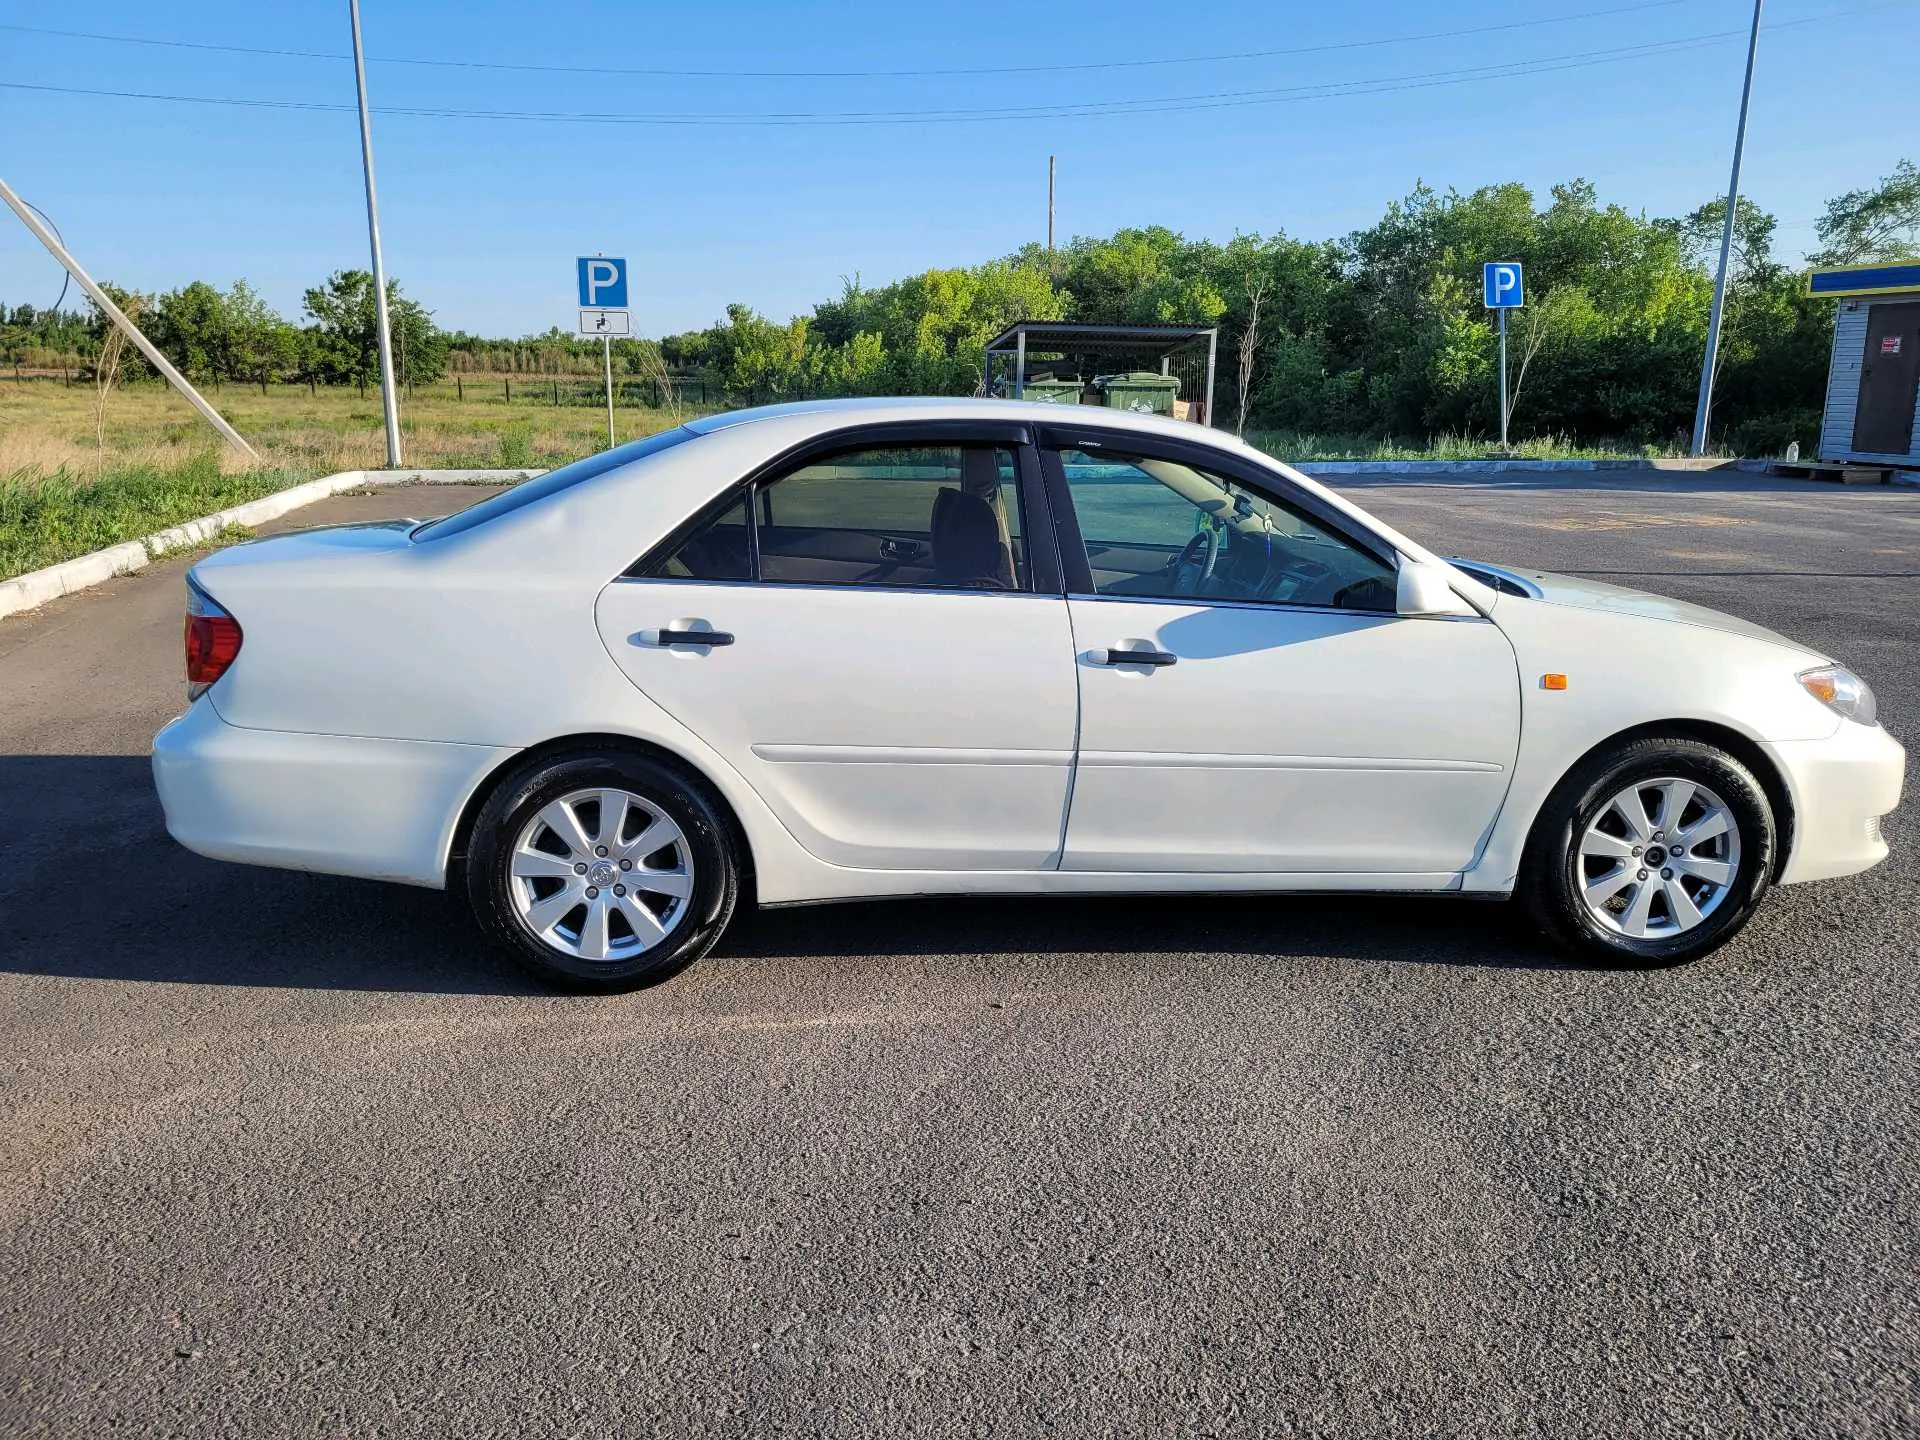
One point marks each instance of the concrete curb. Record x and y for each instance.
(1490, 467)
(37, 587)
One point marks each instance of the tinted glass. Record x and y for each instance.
(938, 516)
(1160, 529)
(718, 550)
(551, 483)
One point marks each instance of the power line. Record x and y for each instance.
(1214, 100)
(656, 72)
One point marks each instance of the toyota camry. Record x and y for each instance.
(840, 650)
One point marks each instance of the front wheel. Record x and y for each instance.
(602, 872)
(1653, 852)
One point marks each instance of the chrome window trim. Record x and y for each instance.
(852, 587)
(1224, 603)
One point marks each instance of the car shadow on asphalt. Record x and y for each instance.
(92, 887)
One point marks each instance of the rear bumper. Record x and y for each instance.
(1841, 787)
(379, 809)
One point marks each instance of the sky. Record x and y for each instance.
(1232, 117)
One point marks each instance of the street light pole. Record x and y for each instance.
(1704, 408)
(390, 397)
(1050, 160)
(57, 248)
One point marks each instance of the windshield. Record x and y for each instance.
(551, 483)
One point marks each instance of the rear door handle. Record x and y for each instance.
(694, 637)
(1154, 658)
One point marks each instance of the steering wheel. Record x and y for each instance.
(1202, 551)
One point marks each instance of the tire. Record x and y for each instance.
(1583, 844)
(673, 902)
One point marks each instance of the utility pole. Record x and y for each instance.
(1704, 408)
(113, 312)
(1050, 160)
(390, 398)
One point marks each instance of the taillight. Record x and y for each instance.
(213, 639)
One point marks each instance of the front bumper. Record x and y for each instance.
(379, 809)
(1841, 787)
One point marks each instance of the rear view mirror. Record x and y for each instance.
(1427, 589)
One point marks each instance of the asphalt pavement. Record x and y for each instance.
(288, 1154)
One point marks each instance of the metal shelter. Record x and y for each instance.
(1872, 410)
(1080, 350)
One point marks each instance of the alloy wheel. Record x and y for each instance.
(1658, 859)
(600, 875)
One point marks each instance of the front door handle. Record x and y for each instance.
(694, 637)
(1154, 658)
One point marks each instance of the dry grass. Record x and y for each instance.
(67, 489)
(46, 427)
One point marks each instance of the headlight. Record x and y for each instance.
(1841, 691)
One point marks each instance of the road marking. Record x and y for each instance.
(1616, 520)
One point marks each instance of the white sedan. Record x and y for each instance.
(870, 648)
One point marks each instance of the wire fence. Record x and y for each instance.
(516, 390)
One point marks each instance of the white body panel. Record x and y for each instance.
(382, 809)
(1635, 660)
(918, 730)
(908, 749)
(1288, 739)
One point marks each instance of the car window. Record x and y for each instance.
(1161, 529)
(718, 550)
(938, 516)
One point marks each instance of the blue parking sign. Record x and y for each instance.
(1501, 286)
(603, 282)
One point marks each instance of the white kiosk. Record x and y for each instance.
(1872, 414)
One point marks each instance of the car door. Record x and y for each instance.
(860, 633)
(1250, 700)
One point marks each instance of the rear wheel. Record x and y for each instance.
(602, 872)
(1653, 852)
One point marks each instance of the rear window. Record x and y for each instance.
(552, 483)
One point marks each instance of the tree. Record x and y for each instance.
(1881, 223)
(112, 352)
(190, 325)
(1700, 234)
(347, 344)
(1555, 314)
(1256, 292)
(259, 344)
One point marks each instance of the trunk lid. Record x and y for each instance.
(323, 541)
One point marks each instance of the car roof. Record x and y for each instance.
(838, 414)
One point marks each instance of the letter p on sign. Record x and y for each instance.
(1501, 286)
(603, 282)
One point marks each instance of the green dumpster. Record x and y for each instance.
(1053, 392)
(1141, 391)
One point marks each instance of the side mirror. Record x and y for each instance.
(1425, 589)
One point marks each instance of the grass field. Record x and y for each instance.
(74, 479)
(68, 486)
(46, 427)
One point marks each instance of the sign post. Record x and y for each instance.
(603, 312)
(1502, 289)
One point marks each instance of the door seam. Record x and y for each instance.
(1079, 712)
